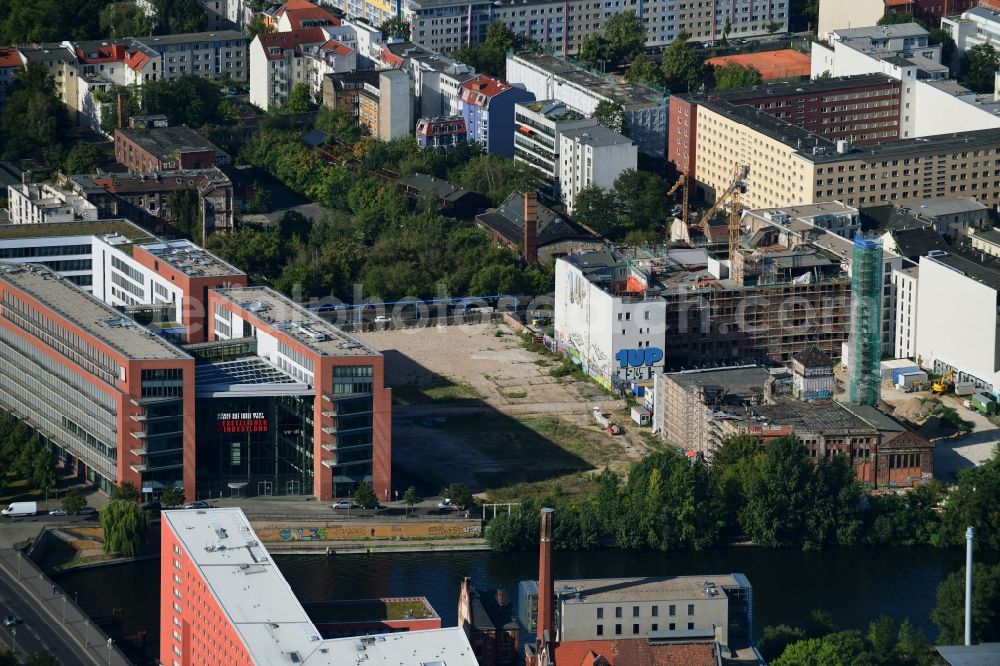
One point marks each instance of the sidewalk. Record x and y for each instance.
(59, 613)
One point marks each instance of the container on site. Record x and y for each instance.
(899, 372)
(904, 379)
(965, 388)
(984, 403)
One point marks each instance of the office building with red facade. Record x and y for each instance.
(115, 401)
(223, 601)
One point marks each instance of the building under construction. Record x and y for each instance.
(865, 344)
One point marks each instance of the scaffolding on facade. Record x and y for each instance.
(865, 341)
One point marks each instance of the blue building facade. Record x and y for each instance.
(488, 110)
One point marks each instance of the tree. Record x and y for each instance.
(974, 501)
(43, 470)
(726, 29)
(364, 495)
(411, 498)
(497, 178)
(82, 158)
(34, 119)
(396, 26)
(778, 496)
(175, 17)
(511, 532)
(460, 494)
(257, 26)
(126, 492)
(125, 527)
(172, 496)
(300, 100)
(597, 209)
(949, 613)
(882, 636)
(643, 70)
(845, 648)
(610, 115)
(979, 66)
(735, 75)
(683, 65)
(24, 21)
(911, 645)
(293, 223)
(773, 27)
(626, 35)
(73, 502)
(42, 659)
(490, 55)
(596, 51)
(185, 212)
(123, 19)
(774, 640)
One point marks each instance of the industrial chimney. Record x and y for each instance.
(531, 226)
(546, 587)
(120, 110)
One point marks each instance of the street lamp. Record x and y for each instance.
(64, 607)
(13, 633)
(19, 556)
(111, 644)
(86, 635)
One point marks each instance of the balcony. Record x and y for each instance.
(138, 452)
(138, 417)
(330, 463)
(330, 430)
(329, 447)
(329, 415)
(140, 434)
(138, 469)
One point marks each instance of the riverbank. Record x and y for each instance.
(372, 547)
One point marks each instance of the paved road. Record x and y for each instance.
(973, 448)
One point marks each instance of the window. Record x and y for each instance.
(672, 610)
(635, 628)
(690, 626)
(600, 630)
(655, 611)
(654, 627)
(618, 611)
(635, 611)
(600, 613)
(690, 609)
(673, 626)
(618, 630)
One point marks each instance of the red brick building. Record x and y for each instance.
(148, 149)
(932, 10)
(489, 622)
(861, 109)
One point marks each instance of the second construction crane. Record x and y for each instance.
(731, 196)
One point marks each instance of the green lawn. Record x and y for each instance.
(366, 610)
(17, 490)
(446, 390)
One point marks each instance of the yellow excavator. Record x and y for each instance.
(944, 383)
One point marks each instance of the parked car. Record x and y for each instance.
(21, 509)
(87, 511)
(58, 512)
(198, 505)
(447, 505)
(343, 504)
(382, 319)
(11, 621)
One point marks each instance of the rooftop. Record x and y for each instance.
(270, 621)
(370, 610)
(193, 37)
(879, 32)
(164, 141)
(597, 136)
(302, 325)
(629, 95)
(553, 109)
(805, 417)
(190, 259)
(743, 380)
(249, 376)
(485, 85)
(9, 57)
(289, 41)
(126, 183)
(303, 12)
(946, 206)
(597, 590)
(88, 313)
(974, 265)
(991, 236)
(444, 189)
(737, 95)
(507, 219)
(132, 232)
(914, 243)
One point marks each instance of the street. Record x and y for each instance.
(33, 634)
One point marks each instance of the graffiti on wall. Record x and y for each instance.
(363, 530)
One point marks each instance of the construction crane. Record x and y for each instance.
(944, 383)
(681, 182)
(737, 187)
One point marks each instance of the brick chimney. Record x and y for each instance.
(531, 226)
(501, 597)
(546, 587)
(26, 177)
(120, 119)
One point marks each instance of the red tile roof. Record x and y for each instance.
(301, 11)
(136, 60)
(636, 652)
(9, 58)
(486, 86)
(339, 48)
(289, 40)
(391, 59)
(110, 53)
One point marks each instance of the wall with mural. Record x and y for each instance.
(367, 531)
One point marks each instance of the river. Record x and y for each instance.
(855, 585)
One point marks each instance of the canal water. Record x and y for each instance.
(855, 585)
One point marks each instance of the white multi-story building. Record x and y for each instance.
(836, 15)
(549, 77)
(536, 135)
(367, 41)
(281, 60)
(209, 55)
(437, 79)
(592, 157)
(445, 25)
(38, 204)
(978, 25)
(958, 320)
(904, 286)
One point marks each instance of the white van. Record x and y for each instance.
(20, 509)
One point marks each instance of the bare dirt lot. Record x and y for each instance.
(472, 404)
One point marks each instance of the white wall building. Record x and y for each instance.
(958, 324)
(839, 15)
(367, 41)
(37, 204)
(904, 286)
(978, 25)
(592, 157)
(281, 60)
(536, 135)
(592, 324)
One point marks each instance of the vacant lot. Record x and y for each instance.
(472, 404)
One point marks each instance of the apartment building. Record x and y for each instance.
(375, 12)
(88, 379)
(150, 149)
(203, 54)
(549, 77)
(281, 60)
(42, 203)
(971, 27)
(592, 157)
(10, 65)
(443, 133)
(905, 281)
(379, 100)
(145, 197)
(299, 14)
(436, 79)
(834, 15)
(536, 136)
(788, 165)
(224, 601)
(488, 110)
(861, 109)
(445, 25)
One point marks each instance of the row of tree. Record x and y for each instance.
(25, 21)
(774, 496)
(23, 455)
